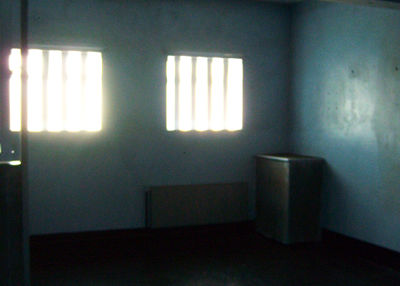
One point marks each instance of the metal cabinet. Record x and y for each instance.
(288, 197)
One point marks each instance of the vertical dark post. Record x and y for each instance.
(24, 142)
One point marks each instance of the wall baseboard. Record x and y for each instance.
(361, 249)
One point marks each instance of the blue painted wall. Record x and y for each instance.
(9, 38)
(345, 105)
(82, 181)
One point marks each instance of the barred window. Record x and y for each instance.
(64, 90)
(204, 93)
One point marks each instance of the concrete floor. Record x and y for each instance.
(243, 258)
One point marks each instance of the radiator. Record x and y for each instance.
(190, 205)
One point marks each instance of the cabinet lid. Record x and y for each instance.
(286, 157)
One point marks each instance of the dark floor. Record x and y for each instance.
(225, 258)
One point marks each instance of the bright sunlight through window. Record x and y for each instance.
(204, 93)
(64, 90)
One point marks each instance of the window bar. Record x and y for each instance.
(225, 107)
(177, 80)
(83, 97)
(194, 62)
(45, 76)
(64, 90)
(209, 92)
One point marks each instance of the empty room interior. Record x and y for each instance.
(200, 142)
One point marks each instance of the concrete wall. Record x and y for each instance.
(9, 37)
(11, 226)
(346, 108)
(14, 247)
(95, 181)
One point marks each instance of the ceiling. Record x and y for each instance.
(376, 3)
(283, 1)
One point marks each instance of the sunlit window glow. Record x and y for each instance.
(217, 101)
(93, 92)
(201, 104)
(64, 90)
(185, 93)
(35, 90)
(217, 94)
(14, 163)
(15, 90)
(54, 102)
(73, 91)
(234, 117)
(171, 93)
